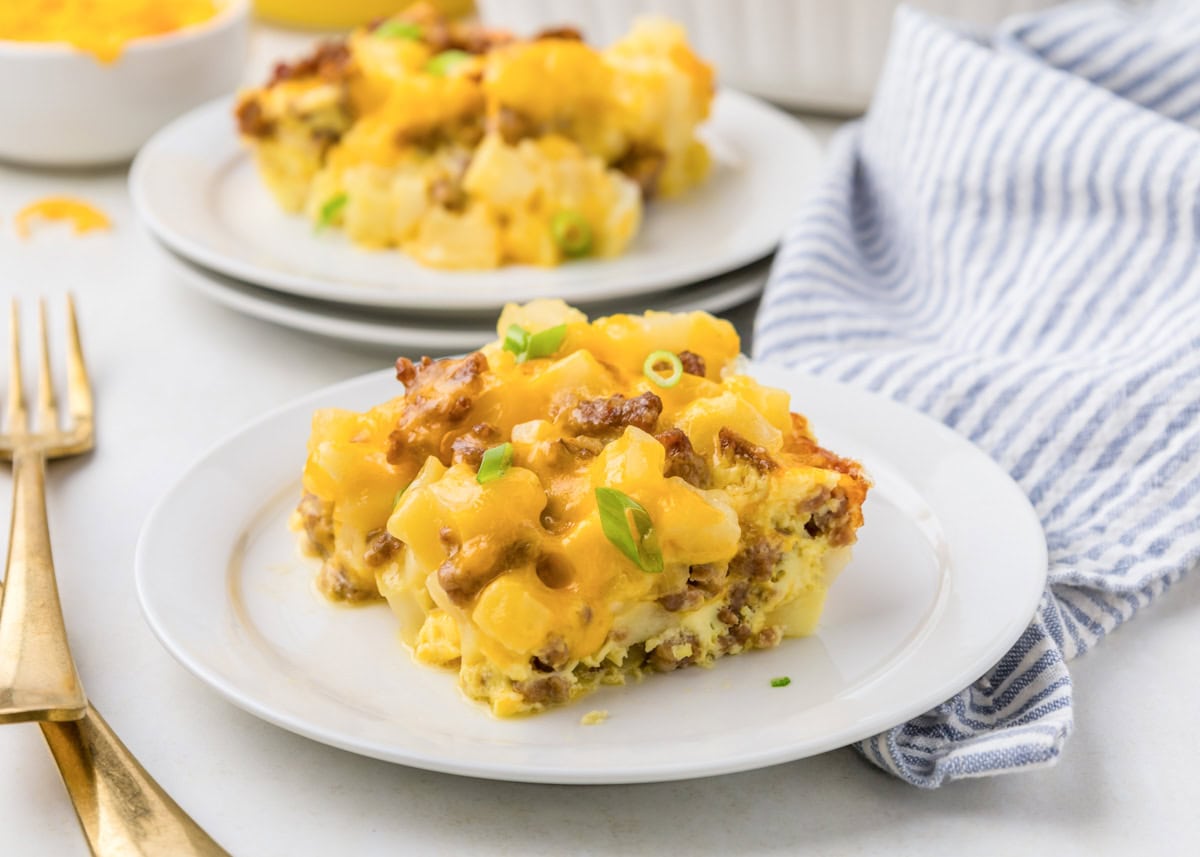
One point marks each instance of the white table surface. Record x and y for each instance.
(173, 373)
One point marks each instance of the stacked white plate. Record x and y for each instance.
(197, 189)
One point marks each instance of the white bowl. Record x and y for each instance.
(63, 107)
(814, 54)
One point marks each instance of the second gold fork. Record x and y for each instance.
(38, 680)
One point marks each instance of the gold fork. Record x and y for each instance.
(122, 810)
(38, 680)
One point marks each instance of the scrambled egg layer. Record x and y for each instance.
(467, 149)
(511, 575)
(100, 27)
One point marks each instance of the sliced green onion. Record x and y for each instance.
(782, 681)
(445, 62)
(572, 233)
(545, 342)
(529, 346)
(495, 463)
(627, 525)
(395, 29)
(331, 209)
(650, 368)
(516, 340)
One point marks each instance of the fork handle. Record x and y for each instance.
(37, 674)
(121, 808)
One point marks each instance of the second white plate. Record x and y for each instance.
(947, 573)
(197, 190)
(439, 334)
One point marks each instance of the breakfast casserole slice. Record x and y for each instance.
(466, 148)
(577, 503)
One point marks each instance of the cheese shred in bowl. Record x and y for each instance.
(100, 27)
(543, 517)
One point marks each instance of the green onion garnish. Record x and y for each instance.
(782, 681)
(445, 62)
(572, 233)
(331, 209)
(627, 525)
(650, 368)
(516, 340)
(528, 346)
(394, 29)
(495, 463)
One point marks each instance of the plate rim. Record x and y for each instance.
(393, 331)
(448, 300)
(1003, 639)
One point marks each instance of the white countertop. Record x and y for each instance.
(173, 373)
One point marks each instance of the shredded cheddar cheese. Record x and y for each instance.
(82, 216)
(99, 27)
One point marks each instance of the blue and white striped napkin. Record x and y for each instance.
(1010, 242)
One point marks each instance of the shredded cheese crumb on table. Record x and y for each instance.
(82, 216)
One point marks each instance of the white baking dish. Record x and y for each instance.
(813, 54)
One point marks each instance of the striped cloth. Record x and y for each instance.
(1010, 242)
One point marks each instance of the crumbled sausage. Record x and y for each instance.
(664, 658)
(552, 656)
(707, 577)
(336, 583)
(693, 363)
(329, 61)
(755, 562)
(767, 638)
(468, 448)
(512, 125)
(611, 415)
(476, 563)
(810, 504)
(580, 448)
(682, 601)
(569, 33)
(438, 395)
(251, 121)
(682, 460)
(317, 517)
(544, 690)
(731, 613)
(732, 442)
(644, 166)
(736, 638)
(381, 546)
(833, 521)
(447, 193)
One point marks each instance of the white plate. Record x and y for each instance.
(947, 573)
(197, 190)
(386, 328)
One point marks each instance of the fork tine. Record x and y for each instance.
(18, 422)
(79, 389)
(47, 411)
